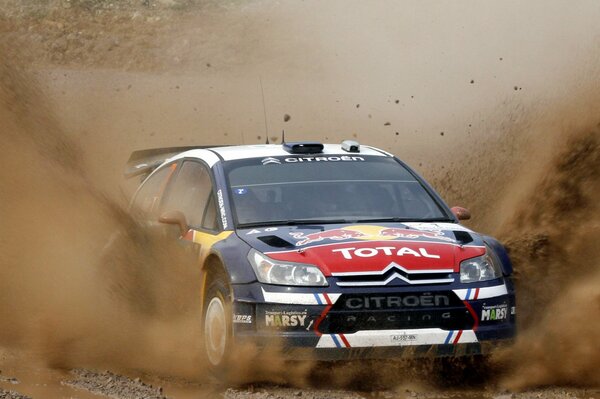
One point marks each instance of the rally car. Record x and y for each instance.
(335, 251)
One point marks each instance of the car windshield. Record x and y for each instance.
(334, 189)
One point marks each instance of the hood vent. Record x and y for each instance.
(275, 241)
(463, 237)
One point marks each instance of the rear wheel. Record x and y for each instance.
(218, 331)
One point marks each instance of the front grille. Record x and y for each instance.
(392, 273)
(347, 323)
(355, 312)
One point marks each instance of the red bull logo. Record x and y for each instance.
(373, 233)
(334, 234)
(397, 232)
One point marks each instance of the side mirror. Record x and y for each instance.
(175, 217)
(461, 213)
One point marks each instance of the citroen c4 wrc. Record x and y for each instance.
(333, 251)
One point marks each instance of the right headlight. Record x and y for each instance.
(482, 268)
(273, 271)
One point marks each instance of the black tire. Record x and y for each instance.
(217, 319)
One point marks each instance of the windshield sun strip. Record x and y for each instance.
(322, 181)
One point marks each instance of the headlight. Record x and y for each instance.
(482, 268)
(272, 271)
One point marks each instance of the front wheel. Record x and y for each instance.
(218, 331)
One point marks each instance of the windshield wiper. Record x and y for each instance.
(305, 223)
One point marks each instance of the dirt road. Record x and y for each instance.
(87, 384)
(496, 105)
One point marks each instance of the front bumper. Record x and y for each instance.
(394, 322)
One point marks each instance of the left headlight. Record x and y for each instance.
(271, 271)
(482, 268)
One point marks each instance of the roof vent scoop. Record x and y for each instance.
(350, 146)
(303, 147)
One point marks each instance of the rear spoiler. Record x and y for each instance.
(143, 162)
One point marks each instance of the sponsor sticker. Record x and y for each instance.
(494, 313)
(397, 301)
(349, 253)
(270, 160)
(372, 233)
(242, 318)
(341, 158)
(257, 231)
(221, 203)
(286, 318)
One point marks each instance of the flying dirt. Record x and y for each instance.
(133, 306)
(504, 123)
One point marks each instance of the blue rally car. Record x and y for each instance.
(334, 251)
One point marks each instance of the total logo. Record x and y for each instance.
(350, 253)
(369, 233)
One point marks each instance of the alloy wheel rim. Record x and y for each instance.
(215, 331)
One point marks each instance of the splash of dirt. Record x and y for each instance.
(81, 283)
(53, 299)
(552, 239)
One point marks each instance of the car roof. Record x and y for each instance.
(230, 153)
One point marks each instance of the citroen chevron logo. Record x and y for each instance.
(269, 160)
(395, 271)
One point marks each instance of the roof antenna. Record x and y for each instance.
(262, 91)
(286, 117)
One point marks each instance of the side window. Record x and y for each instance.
(190, 192)
(210, 216)
(147, 198)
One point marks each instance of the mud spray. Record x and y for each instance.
(552, 238)
(81, 284)
(55, 300)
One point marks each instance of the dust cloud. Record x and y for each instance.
(56, 299)
(552, 237)
(543, 205)
(81, 283)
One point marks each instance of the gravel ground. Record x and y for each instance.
(113, 385)
(289, 393)
(11, 395)
(283, 393)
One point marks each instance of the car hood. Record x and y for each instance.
(347, 248)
